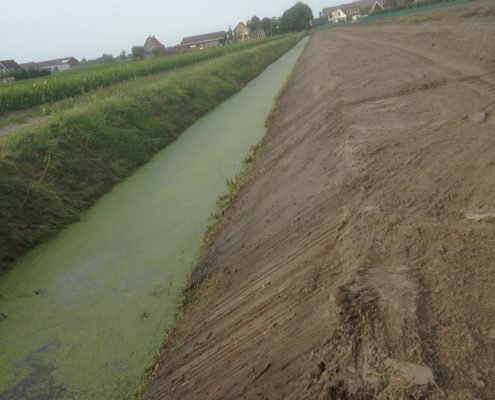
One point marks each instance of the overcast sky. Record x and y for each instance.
(37, 30)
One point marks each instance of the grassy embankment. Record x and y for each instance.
(33, 92)
(51, 173)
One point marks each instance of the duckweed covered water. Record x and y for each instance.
(82, 315)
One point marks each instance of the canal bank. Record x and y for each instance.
(82, 315)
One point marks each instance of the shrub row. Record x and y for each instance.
(34, 92)
(50, 174)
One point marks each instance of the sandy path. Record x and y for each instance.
(359, 260)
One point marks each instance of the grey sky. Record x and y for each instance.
(36, 30)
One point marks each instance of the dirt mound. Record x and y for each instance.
(358, 261)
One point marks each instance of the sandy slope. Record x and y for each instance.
(359, 260)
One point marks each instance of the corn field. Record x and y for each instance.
(30, 93)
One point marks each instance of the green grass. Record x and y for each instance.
(51, 173)
(33, 92)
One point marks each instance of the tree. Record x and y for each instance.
(275, 25)
(265, 24)
(296, 18)
(105, 58)
(254, 23)
(123, 55)
(137, 52)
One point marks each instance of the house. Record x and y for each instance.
(258, 34)
(359, 8)
(8, 66)
(362, 5)
(57, 65)
(153, 48)
(242, 32)
(353, 13)
(327, 12)
(338, 15)
(31, 64)
(202, 42)
(345, 14)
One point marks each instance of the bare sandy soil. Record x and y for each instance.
(359, 260)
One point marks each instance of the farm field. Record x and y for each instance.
(33, 92)
(358, 262)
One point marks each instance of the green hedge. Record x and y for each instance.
(75, 82)
(51, 173)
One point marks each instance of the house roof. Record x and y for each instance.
(57, 61)
(240, 25)
(328, 11)
(352, 11)
(10, 64)
(31, 64)
(209, 37)
(155, 41)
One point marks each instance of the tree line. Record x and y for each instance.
(295, 19)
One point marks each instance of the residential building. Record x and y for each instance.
(242, 32)
(327, 12)
(362, 5)
(153, 48)
(338, 15)
(353, 13)
(359, 8)
(345, 14)
(57, 65)
(202, 42)
(8, 66)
